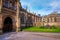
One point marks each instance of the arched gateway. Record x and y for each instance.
(9, 15)
(7, 25)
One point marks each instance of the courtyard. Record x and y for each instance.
(30, 36)
(18, 22)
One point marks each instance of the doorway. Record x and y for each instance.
(7, 26)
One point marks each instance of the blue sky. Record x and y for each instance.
(42, 7)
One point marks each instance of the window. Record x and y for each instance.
(22, 19)
(47, 19)
(55, 19)
(5, 4)
(13, 7)
(29, 19)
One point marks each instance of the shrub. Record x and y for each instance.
(53, 27)
(43, 27)
(48, 27)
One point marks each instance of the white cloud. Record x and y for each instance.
(55, 4)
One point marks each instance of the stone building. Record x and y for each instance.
(52, 19)
(29, 19)
(13, 16)
(9, 15)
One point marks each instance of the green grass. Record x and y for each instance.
(38, 29)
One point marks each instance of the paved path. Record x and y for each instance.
(30, 36)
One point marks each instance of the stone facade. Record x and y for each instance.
(29, 19)
(52, 19)
(13, 16)
(9, 10)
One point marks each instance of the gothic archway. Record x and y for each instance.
(7, 25)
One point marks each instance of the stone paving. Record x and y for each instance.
(30, 36)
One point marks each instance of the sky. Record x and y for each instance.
(43, 7)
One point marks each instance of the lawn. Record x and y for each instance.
(38, 29)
